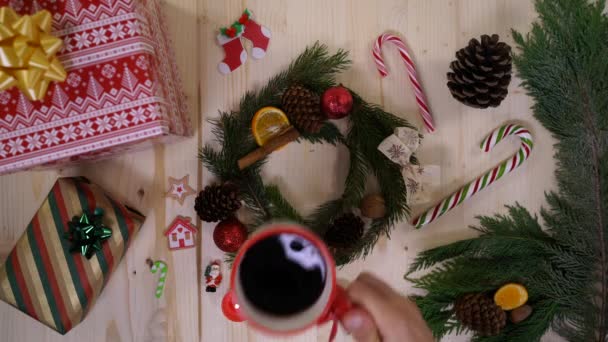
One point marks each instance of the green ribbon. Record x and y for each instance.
(87, 232)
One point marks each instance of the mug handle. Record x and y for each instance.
(231, 308)
(340, 306)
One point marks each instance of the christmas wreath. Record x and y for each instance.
(310, 74)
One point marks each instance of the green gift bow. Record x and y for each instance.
(87, 232)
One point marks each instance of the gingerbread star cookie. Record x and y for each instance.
(179, 189)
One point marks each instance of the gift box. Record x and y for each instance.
(122, 90)
(46, 274)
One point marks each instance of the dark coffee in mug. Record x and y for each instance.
(283, 275)
(283, 281)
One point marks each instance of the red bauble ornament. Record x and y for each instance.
(229, 235)
(337, 102)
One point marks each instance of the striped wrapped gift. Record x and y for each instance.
(42, 278)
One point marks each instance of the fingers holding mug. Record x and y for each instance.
(395, 318)
(360, 324)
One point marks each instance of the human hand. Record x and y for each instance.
(381, 314)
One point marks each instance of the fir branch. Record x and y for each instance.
(229, 258)
(562, 62)
(279, 207)
(325, 214)
(439, 316)
(329, 134)
(573, 37)
(254, 195)
(504, 236)
(589, 120)
(371, 236)
(359, 166)
(214, 161)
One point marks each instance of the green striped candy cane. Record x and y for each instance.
(155, 267)
(488, 178)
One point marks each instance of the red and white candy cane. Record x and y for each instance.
(485, 180)
(425, 112)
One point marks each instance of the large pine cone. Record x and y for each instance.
(217, 202)
(303, 107)
(345, 231)
(479, 313)
(481, 73)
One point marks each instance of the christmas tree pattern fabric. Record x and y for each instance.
(122, 86)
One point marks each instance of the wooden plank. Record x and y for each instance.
(307, 174)
(434, 30)
(127, 310)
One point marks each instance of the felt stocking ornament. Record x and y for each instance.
(258, 35)
(230, 40)
(235, 54)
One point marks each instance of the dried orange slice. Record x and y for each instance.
(268, 122)
(511, 296)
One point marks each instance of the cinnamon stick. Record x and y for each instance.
(291, 134)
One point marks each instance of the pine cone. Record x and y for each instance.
(217, 202)
(482, 73)
(345, 231)
(478, 312)
(303, 107)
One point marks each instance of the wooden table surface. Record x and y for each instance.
(307, 174)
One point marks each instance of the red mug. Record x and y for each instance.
(301, 246)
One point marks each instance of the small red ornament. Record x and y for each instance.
(229, 235)
(337, 102)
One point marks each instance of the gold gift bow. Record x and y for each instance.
(27, 53)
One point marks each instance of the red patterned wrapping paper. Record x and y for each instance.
(122, 91)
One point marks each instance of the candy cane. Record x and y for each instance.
(425, 112)
(490, 177)
(162, 266)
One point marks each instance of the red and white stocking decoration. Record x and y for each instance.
(235, 54)
(230, 40)
(259, 36)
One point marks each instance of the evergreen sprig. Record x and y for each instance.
(562, 62)
(316, 70)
